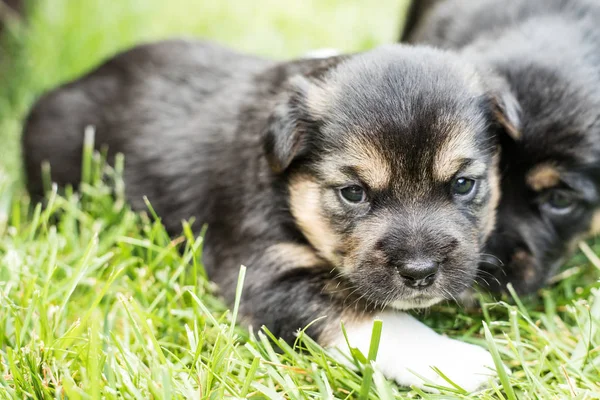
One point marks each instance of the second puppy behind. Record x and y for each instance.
(548, 51)
(351, 187)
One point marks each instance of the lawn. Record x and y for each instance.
(96, 301)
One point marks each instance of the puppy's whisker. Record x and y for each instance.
(481, 274)
(357, 301)
(447, 293)
(484, 281)
(491, 259)
(349, 296)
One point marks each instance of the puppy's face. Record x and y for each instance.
(390, 163)
(550, 175)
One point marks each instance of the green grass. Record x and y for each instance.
(97, 301)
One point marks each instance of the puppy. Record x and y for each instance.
(549, 53)
(349, 186)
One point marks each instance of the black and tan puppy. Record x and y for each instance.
(549, 53)
(349, 186)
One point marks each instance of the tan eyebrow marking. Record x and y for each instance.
(464, 166)
(452, 153)
(370, 164)
(542, 176)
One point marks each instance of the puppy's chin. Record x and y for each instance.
(414, 303)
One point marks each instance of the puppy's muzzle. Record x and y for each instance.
(417, 256)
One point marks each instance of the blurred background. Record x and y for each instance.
(44, 43)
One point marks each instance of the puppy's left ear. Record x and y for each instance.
(507, 112)
(286, 132)
(505, 107)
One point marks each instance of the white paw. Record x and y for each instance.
(468, 366)
(410, 352)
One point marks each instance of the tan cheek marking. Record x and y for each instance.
(305, 203)
(494, 182)
(293, 255)
(520, 256)
(523, 261)
(451, 153)
(542, 176)
(529, 274)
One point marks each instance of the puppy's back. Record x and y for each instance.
(163, 83)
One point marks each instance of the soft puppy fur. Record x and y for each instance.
(549, 53)
(348, 185)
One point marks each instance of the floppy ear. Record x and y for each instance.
(505, 107)
(507, 112)
(285, 136)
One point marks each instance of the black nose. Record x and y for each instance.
(418, 273)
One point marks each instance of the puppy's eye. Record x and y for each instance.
(462, 186)
(353, 194)
(560, 201)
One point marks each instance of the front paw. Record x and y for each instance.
(410, 353)
(468, 366)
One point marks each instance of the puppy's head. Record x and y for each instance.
(551, 171)
(550, 176)
(390, 162)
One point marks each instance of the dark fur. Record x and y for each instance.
(10, 9)
(416, 12)
(14, 5)
(549, 53)
(237, 141)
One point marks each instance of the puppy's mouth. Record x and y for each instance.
(382, 285)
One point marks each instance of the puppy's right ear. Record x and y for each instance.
(285, 136)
